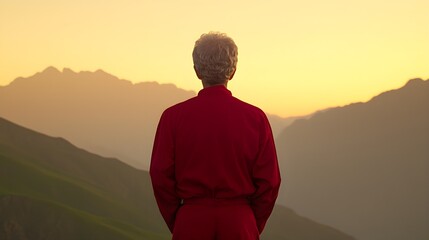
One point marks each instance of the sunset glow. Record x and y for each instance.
(295, 57)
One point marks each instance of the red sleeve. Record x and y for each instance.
(266, 177)
(162, 171)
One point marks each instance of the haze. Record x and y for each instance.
(295, 57)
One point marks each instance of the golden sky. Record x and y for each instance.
(295, 57)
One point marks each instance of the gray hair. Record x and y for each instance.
(215, 57)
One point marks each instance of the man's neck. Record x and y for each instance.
(205, 85)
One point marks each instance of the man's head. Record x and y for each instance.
(215, 58)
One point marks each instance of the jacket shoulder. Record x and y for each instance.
(179, 106)
(250, 108)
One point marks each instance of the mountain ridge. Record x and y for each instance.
(363, 165)
(94, 110)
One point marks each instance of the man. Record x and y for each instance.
(214, 167)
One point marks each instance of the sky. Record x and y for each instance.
(295, 57)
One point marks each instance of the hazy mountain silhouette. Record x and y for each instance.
(50, 189)
(95, 110)
(278, 124)
(363, 168)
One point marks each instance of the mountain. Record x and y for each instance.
(50, 189)
(95, 110)
(285, 224)
(278, 124)
(363, 168)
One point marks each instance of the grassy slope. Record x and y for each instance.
(91, 190)
(91, 212)
(39, 218)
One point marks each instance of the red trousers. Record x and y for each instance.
(213, 219)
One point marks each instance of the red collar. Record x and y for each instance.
(215, 90)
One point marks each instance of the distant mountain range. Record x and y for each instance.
(363, 168)
(96, 110)
(50, 189)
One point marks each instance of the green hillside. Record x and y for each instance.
(93, 195)
(49, 189)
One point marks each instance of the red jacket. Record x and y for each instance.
(215, 146)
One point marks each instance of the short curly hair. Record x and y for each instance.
(215, 57)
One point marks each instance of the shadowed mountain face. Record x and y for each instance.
(363, 168)
(49, 189)
(95, 110)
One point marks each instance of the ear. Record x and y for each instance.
(232, 75)
(198, 75)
